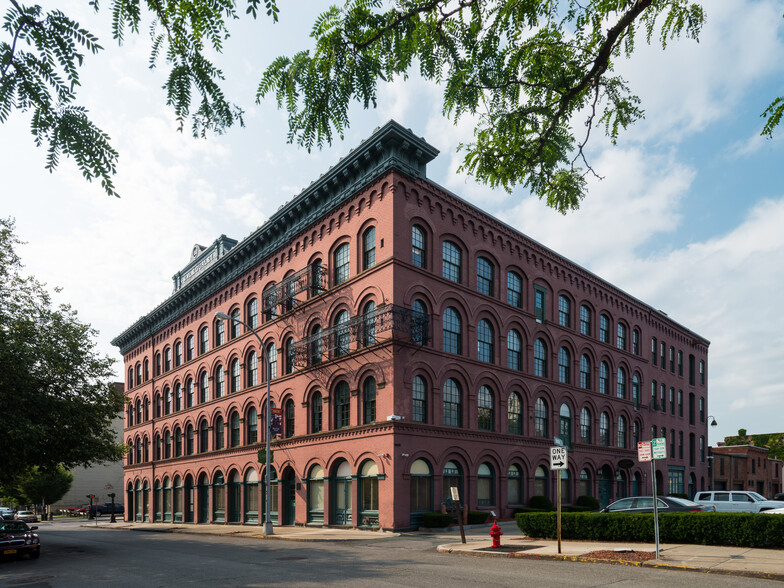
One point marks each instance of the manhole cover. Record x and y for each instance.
(29, 580)
(507, 548)
(290, 558)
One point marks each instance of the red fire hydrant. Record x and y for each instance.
(495, 533)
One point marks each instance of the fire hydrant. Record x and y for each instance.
(495, 533)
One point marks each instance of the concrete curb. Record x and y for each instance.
(639, 564)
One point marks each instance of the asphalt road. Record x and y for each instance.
(74, 556)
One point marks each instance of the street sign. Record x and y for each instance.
(659, 448)
(558, 458)
(455, 493)
(644, 451)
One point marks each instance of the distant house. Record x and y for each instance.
(746, 467)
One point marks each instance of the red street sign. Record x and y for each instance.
(644, 451)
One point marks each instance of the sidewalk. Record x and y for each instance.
(742, 561)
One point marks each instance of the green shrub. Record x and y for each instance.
(436, 520)
(477, 517)
(528, 509)
(540, 502)
(708, 528)
(575, 508)
(589, 502)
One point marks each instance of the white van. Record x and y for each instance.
(737, 501)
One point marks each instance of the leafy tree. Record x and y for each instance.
(37, 486)
(56, 400)
(528, 71)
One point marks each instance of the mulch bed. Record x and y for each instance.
(621, 555)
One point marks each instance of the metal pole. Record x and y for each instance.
(655, 507)
(267, 521)
(558, 499)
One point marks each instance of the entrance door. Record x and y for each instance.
(342, 505)
(235, 493)
(289, 497)
(204, 500)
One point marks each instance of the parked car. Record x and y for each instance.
(17, 539)
(737, 501)
(664, 504)
(779, 496)
(106, 508)
(80, 510)
(6, 514)
(773, 511)
(28, 516)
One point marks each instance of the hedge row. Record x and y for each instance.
(436, 520)
(709, 528)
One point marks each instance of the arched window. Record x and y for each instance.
(218, 498)
(167, 444)
(219, 433)
(585, 320)
(189, 440)
(540, 358)
(252, 313)
(235, 376)
(342, 334)
(514, 488)
(564, 366)
(167, 500)
(621, 338)
(316, 346)
(565, 424)
(190, 393)
(139, 411)
(540, 481)
(190, 348)
(220, 332)
(604, 429)
(368, 493)
(485, 337)
(514, 354)
(453, 478)
(418, 247)
(369, 401)
(621, 432)
(453, 331)
(234, 440)
(204, 387)
(486, 414)
(251, 370)
(421, 490)
(177, 397)
(585, 426)
(636, 390)
(485, 485)
(636, 342)
(369, 248)
(220, 382)
(564, 311)
(204, 436)
(453, 404)
(272, 361)
(541, 419)
(316, 494)
(177, 442)
(167, 359)
(289, 355)
(178, 354)
(485, 279)
(451, 262)
(621, 383)
(604, 378)
(341, 264)
(585, 372)
(604, 328)
(251, 426)
(167, 396)
(204, 340)
(315, 413)
(636, 434)
(288, 411)
(515, 414)
(419, 400)
(235, 327)
(369, 324)
(514, 289)
(419, 323)
(342, 406)
(269, 302)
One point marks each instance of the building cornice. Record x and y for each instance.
(391, 147)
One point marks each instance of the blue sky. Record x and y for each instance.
(688, 218)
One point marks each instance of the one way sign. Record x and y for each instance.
(558, 459)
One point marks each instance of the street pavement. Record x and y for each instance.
(741, 561)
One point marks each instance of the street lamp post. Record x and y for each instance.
(712, 459)
(267, 521)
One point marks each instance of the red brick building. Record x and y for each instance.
(416, 344)
(746, 467)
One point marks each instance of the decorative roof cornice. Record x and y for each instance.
(389, 147)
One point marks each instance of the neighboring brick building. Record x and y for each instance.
(417, 344)
(746, 467)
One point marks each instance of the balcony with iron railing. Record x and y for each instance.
(282, 297)
(384, 323)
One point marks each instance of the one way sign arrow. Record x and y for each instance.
(558, 458)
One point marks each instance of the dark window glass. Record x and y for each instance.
(453, 404)
(484, 277)
(540, 303)
(585, 426)
(369, 248)
(540, 358)
(419, 397)
(418, 247)
(585, 372)
(219, 433)
(253, 313)
(604, 429)
(236, 327)
(315, 413)
(369, 401)
(620, 383)
(604, 329)
(342, 334)
(564, 311)
(514, 354)
(452, 331)
(604, 378)
(514, 289)
(342, 406)
(621, 336)
(515, 414)
(289, 414)
(485, 337)
(564, 366)
(541, 419)
(341, 264)
(486, 417)
(585, 320)
(451, 262)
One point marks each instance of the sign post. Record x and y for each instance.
(456, 499)
(558, 461)
(651, 451)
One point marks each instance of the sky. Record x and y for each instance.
(688, 217)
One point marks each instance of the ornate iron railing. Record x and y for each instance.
(312, 279)
(395, 322)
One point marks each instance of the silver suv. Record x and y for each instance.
(737, 501)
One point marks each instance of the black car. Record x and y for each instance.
(17, 539)
(779, 496)
(664, 504)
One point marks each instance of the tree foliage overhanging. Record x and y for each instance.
(57, 402)
(530, 72)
